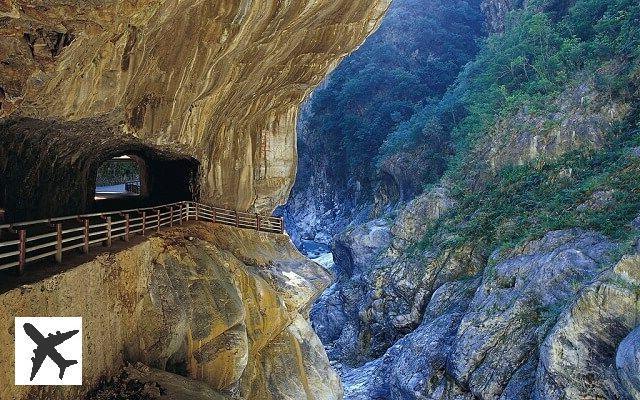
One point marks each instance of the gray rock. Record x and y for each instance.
(445, 324)
(628, 363)
(419, 366)
(414, 367)
(328, 315)
(419, 214)
(518, 300)
(522, 382)
(578, 358)
(359, 247)
(357, 381)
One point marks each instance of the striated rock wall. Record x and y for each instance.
(223, 307)
(218, 81)
(382, 284)
(419, 315)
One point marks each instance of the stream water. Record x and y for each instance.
(318, 252)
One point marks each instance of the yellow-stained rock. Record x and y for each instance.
(217, 80)
(222, 306)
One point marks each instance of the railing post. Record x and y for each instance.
(257, 222)
(126, 227)
(23, 251)
(181, 213)
(237, 219)
(281, 226)
(108, 241)
(144, 222)
(187, 215)
(85, 248)
(59, 243)
(214, 215)
(158, 216)
(171, 216)
(197, 211)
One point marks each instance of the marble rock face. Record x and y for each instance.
(553, 318)
(218, 81)
(204, 309)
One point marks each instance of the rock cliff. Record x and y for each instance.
(514, 275)
(554, 318)
(372, 104)
(220, 82)
(496, 12)
(207, 311)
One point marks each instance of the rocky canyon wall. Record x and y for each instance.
(447, 298)
(217, 81)
(220, 311)
(553, 318)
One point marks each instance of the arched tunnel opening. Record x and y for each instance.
(50, 169)
(161, 178)
(121, 177)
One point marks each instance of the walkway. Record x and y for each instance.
(27, 242)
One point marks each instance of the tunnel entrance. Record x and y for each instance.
(53, 169)
(143, 178)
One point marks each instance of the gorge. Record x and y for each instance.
(464, 175)
(484, 233)
(206, 95)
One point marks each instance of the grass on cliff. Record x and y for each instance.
(597, 189)
(545, 47)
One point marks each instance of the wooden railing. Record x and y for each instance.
(25, 242)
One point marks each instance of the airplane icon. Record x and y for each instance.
(47, 348)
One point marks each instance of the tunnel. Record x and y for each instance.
(49, 169)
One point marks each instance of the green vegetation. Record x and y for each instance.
(527, 201)
(116, 172)
(527, 68)
(530, 64)
(409, 62)
(426, 92)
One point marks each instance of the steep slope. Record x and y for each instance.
(514, 276)
(402, 68)
(547, 320)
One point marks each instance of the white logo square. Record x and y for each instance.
(48, 350)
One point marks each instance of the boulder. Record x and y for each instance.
(578, 358)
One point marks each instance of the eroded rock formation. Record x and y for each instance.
(222, 307)
(218, 81)
(554, 318)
